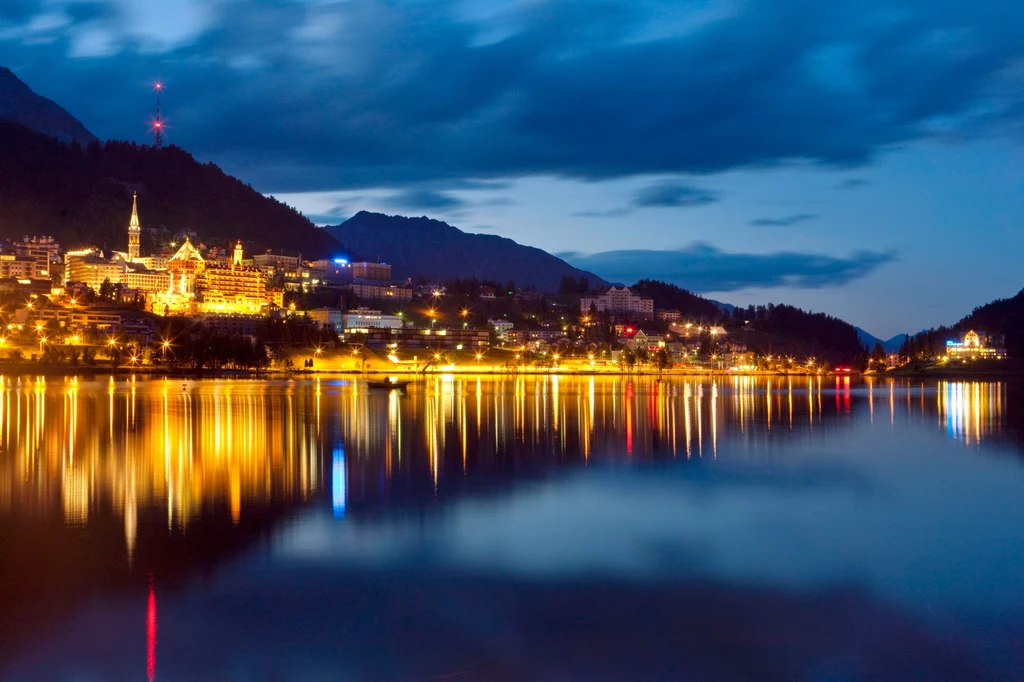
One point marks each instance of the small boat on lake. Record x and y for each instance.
(388, 384)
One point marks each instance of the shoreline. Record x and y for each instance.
(37, 369)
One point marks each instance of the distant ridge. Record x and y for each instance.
(891, 346)
(436, 250)
(18, 103)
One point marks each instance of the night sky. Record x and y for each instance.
(861, 158)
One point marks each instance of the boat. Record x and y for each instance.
(388, 384)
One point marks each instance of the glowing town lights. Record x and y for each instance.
(319, 350)
(464, 312)
(479, 356)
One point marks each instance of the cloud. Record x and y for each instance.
(611, 213)
(300, 96)
(784, 221)
(853, 183)
(658, 195)
(669, 194)
(420, 199)
(703, 268)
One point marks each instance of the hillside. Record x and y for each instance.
(670, 297)
(18, 103)
(1003, 316)
(785, 330)
(436, 250)
(83, 194)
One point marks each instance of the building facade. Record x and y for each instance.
(375, 271)
(976, 346)
(365, 318)
(380, 291)
(619, 301)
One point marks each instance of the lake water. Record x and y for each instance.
(530, 528)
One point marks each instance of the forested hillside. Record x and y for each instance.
(83, 194)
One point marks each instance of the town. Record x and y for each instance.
(192, 306)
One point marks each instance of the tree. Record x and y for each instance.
(107, 290)
(661, 359)
(878, 358)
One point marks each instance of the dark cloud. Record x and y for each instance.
(659, 195)
(305, 96)
(784, 221)
(701, 267)
(668, 195)
(420, 199)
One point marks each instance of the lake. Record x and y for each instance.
(511, 528)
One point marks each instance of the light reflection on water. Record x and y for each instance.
(792, 482)
(72, 446)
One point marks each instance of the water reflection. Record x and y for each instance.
(76, 448)
(71, 447)
(143, 478)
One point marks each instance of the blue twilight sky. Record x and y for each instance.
(862, 158)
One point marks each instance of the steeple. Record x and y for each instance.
(237, 260)
(134, 230)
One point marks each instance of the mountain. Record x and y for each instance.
(422, 247)
(20, 104)
(891, 346)
(82, 195)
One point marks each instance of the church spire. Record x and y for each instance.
(134, 230)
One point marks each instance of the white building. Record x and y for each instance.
(503, 327)
(327, 317)
(364, 318)
(619, 301)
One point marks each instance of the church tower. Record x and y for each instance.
(134, 231)
(236, 261)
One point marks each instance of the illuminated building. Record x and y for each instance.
(326, 318)
(619, 301)
(975, 346)
(91, 267)
(276, 261)
(364, 318)
(501, 327)
(380, 291)
(275, 297)
(380, 272)
(232, 288)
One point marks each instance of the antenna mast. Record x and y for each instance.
(158, 122)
